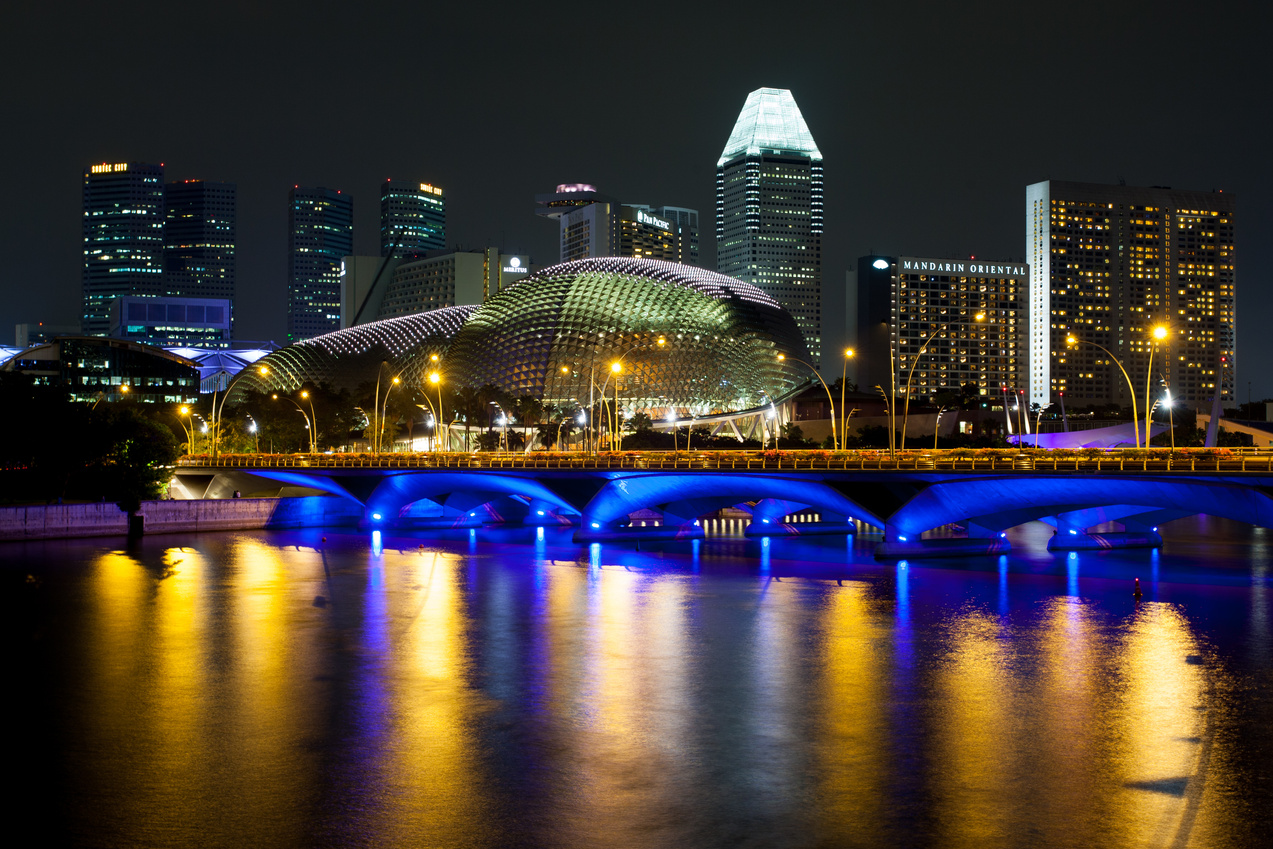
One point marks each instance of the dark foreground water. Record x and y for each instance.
(509, 688)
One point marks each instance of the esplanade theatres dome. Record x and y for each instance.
(674, 338)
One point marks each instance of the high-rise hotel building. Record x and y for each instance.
(945, 325)
(320, 232)
(594, 225)
(769, 187)
(123, 232)
(1108, 265)
(199, 239)
(412, 218)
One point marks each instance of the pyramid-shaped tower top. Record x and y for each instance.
(770, 121)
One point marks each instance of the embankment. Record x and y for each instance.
(55, 521)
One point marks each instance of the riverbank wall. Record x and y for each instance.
(61, 521)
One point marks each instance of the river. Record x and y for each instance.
(506, 687)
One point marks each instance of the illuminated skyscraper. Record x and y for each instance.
(1108, 264)
(594, 225)
(412, 217)
(769, 207)
(320, 233)
(123, 233)
(199, 237)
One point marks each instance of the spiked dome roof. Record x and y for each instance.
(770, 123)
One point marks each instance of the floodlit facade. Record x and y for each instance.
(1109, 264)
(186, 322)
(123, 234)
(555, 335)
(769, 195)
(412, 218)
(320, 233)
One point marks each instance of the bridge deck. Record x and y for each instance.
(1007, 461)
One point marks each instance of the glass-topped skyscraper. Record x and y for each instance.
(769, 189)
(320, 234)
(123, 238)
(412, 218)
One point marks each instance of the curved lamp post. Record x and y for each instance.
(436, 379)
(313, 417)
(384, 411)
(844, 376)
(1159, 334)
(906, 404)
(276, 397)
(1071, 341)
(835, 442)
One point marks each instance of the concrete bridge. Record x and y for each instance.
(903, 497)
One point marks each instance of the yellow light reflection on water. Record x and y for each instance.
(852, 709)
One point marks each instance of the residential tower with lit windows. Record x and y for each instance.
(769, 188)
(123, 236)
(320, 232)
(1109, 264)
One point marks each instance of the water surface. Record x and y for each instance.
(511, 688)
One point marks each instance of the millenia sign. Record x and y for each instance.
(955, 267)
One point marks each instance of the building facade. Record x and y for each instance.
(769, 197)
(1109, 264)
(412, 218)
(595, 225)
(123, 234)
(966, 316)
(199, 240)
(168, 322)
(320, 232)
(93, 368)
(448, 279)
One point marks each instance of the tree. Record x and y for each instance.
(640, 421)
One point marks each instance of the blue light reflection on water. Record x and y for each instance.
(498, 686)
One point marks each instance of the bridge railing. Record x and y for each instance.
(985, 460)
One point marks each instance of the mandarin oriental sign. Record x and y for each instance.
(970, 267)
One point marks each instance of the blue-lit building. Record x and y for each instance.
(123, 235)
(769, 188)
(199, 240)
(320, 233)
(412, 218)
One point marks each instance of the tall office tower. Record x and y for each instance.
(412, 217)
(123, 238)
(769, 207)
(320, 232)
(966, 316)
(199, 240)
(1109, 265)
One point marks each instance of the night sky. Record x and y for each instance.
(932, 119)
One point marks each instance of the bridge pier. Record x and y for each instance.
(1072, 540)
(899, 545)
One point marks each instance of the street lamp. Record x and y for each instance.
(615, 367)
(1159, 334)
(188, 427)
(844, 377)
(276, 397)
(384, 411)
(1071, 341)
(313, 417)
(906, 405)
(835, 442)
(436, 379)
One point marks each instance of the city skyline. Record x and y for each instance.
(951, 193)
